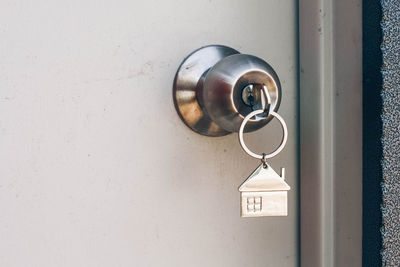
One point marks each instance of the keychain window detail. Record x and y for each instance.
(254, 204)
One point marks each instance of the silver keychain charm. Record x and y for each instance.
(264, 193)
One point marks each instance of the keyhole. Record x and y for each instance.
(251, 96)
(247, 95)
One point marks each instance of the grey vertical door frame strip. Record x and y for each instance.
(330, 58)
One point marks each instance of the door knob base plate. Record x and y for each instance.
(188, 85)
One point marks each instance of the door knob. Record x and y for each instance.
(216, 87)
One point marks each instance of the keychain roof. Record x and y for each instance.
(264, 179)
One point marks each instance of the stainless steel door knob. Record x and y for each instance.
(215, 87)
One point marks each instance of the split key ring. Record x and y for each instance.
(258, 112)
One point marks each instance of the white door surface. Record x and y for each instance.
(97, 168)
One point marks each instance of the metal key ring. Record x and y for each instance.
(276, 151)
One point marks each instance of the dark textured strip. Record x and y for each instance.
(391, 132)
(372, 131)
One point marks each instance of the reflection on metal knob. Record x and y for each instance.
(216, 87)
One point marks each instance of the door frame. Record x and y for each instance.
(330, 79)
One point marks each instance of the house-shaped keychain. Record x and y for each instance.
(264, 193)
